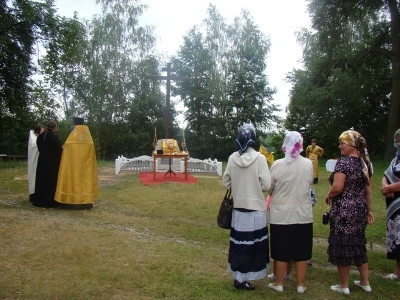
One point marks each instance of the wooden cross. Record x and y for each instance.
(169, 77)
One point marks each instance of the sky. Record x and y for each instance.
(172, 19)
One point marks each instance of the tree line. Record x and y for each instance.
(53, 67)
(351, 75)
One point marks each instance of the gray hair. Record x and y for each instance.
(396, 134)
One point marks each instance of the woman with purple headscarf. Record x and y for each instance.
(247, 175)
(291, 218)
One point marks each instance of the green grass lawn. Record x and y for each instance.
(152, 242)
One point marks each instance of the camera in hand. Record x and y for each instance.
(325, 218)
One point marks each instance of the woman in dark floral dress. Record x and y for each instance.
(391, 190)
(350, 196)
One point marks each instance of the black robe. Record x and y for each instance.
(50, 149)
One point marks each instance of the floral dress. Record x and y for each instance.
(392, 175)
(349, 217)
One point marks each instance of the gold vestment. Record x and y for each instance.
(313, 153)
(77, 176)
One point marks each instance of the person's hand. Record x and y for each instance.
(371, 218)
(385, 191)
(268, 202)
(328, 200)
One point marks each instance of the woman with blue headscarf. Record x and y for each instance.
(391, 190)
(247, 175)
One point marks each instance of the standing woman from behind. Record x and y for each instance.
(50, 149)
(391, 190)
(247, 175)
(290, 214)
(350, 197)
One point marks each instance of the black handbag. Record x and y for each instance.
(325, 218)
(224, 217)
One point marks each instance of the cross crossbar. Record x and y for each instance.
(168, 78)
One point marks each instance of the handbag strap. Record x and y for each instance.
(228, 194)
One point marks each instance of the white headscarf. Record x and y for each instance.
(292, 145)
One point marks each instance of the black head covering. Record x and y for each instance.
(78, 121)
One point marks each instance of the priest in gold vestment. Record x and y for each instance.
(313, 152)
(77, 184)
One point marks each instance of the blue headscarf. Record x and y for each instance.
(246, 137)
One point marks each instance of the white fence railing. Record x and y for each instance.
(204, 167)
(144, 163)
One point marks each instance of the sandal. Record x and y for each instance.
(366, 288)
(339, 289)
(392, 276)
(278, 288)
(301, 289)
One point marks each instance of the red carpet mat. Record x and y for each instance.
(147, 178)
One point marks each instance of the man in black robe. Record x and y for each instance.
(50, 149)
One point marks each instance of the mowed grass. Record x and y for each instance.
(152, 242)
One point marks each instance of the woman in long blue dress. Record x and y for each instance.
(350, 196)
(391, 190)
(247, 175)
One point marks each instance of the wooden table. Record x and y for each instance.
(170, 156)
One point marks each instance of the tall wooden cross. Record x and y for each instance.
(169, 77)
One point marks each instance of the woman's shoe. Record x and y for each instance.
(392, 276)
(339, 289)
(301, 289)
(366, 288)
(245, 285)
(278, 288)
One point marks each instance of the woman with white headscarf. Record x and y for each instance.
(291, 218)
(247, 175)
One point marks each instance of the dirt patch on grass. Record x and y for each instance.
(107, 177)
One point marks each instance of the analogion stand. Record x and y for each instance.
(170, 157)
